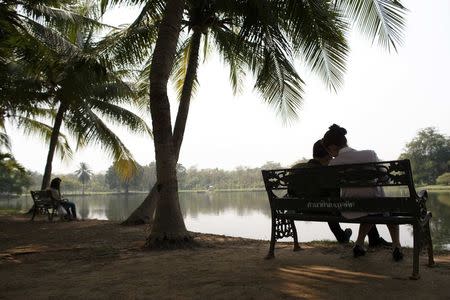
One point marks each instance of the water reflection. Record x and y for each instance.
(245, 214)
(439, 205)
(241, 203)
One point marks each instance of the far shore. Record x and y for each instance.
(101, 260)
(430, 188)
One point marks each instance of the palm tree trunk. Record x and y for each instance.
(146, 211)
(191, 74)
(168, 226)
(53, 141)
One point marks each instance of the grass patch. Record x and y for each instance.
(9, 211)
(430, 188)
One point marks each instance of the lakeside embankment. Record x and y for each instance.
(101, 259)
(441, 188)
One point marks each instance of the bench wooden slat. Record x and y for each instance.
(392, 204)
(400, 219)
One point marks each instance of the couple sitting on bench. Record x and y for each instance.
(334, 144)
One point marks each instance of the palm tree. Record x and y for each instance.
(84, 174)
(21, 98)
(315, 30)
(37, 40)
(84, 95)
(22, 51)
(209, 18)
(269, 34)
(169, 224)
(85, 87)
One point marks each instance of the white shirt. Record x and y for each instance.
(349, 155)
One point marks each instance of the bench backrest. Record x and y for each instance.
(319, 187)
(42, 197)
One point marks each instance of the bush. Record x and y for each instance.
(444, 179)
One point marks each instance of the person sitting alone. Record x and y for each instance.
(56, 195)
(335, 142)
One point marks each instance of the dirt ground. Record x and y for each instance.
(102, 259)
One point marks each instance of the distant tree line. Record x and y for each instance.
(429, 153)
(189, 179)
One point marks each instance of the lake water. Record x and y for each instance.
(243, 214)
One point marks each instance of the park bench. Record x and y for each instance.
(44, 204)
(312, 196)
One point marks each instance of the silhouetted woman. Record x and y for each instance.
(56, 194)
(335, 142)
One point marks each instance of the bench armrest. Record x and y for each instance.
(423, 195)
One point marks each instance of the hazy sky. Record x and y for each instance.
(385, 100)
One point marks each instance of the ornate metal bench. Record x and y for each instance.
(312, 196)
(44, 204)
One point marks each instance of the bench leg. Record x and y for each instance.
(34, 213)
(429, 245)
(50, 215)
(294, 233)
(417, 240)
(273, 240)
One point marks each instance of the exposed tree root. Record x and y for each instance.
(166, 241)
(138, 221)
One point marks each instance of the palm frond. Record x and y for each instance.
(120, 116)
(35, 128)
(153, 8)
(225, 41)
(9, 164)
(53, 39)
(263, 47)
(5, 141)
(126, 169)
(19, 90)
(180, 67)
(65, 19)
(381, 20)
(143, 84)
(128, 46)
(280, 85)
(90, 129)
(317, 33)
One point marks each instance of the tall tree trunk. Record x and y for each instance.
(183, 108)
(52, 147)
(168, 227)
(145, 212)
